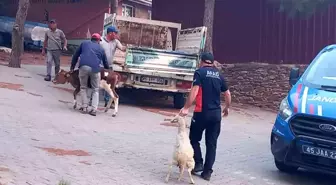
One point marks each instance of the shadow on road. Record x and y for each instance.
(149, 101)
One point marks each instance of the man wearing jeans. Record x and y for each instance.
(207, 87)
(110, 44)
(53, 46)
(91, 54)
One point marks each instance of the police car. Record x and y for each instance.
(304, 133)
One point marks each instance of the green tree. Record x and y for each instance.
(302, 8)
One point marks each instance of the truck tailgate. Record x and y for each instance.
(161, 60)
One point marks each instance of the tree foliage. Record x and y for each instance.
(302, 8)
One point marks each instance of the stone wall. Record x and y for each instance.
(258, 84)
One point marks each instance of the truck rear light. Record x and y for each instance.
(183, 84)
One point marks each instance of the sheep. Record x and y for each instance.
(183, 155)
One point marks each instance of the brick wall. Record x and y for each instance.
(257, 84)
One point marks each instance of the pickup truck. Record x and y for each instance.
(163, 70)
(304, 133)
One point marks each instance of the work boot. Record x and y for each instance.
(206, 175)
(93, 113)
(47, 78)
(198, 168)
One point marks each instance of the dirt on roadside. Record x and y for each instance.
(32, 58)
(63, 152)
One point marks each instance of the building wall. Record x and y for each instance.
(75, 19)
(140, 11)
(256, 31)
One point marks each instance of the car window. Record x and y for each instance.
(322, 71)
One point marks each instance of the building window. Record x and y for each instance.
(127, 10)
(150, 14)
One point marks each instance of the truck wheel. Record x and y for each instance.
(179, 100)
(285, 168)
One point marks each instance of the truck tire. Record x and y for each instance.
(179, 100)
(285, 168)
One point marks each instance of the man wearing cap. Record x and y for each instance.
(110, 44)
(53, 46)
(91, 55)
(207, 87)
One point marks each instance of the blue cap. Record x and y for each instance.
(207, 57)
(112, 29)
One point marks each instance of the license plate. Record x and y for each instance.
(154, 80)
(319, 152)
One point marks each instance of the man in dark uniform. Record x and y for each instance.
(207, 87)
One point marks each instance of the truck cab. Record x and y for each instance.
(304, 133)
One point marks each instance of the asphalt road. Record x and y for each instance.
(43, 140)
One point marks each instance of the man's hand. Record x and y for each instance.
(65, 48)
(43, 51)
(226, 111)
(184, 112)
(71, 70)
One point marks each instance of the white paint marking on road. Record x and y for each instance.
(304, 100)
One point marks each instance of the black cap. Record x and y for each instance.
(207, 57)
(52, 21)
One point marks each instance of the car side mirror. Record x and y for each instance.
(294, 76)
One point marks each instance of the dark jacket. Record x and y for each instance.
(91, 54)
(211, 83)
